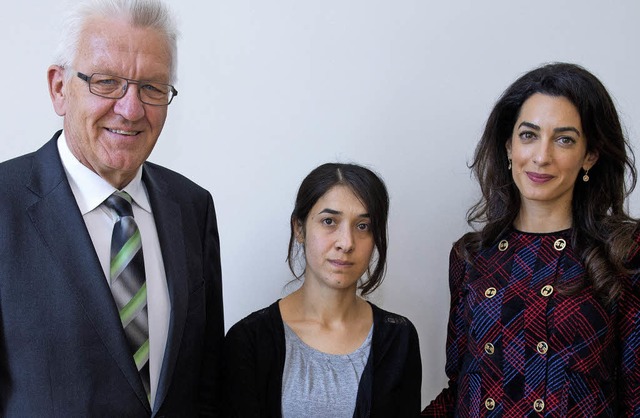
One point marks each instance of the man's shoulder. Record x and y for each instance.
(16, 165)
(43, 163)
(176, 182)
(166, 174)
(15, 173)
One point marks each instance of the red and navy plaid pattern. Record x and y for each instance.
(518, 347)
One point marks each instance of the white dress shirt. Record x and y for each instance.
(90, 191)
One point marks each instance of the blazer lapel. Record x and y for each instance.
(58, 220)
(168, 219)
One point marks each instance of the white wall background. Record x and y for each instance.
(271, 89)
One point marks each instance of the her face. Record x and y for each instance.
(548, 150)
(337, 238)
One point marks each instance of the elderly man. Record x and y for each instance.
(110, 287)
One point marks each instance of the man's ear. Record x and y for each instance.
(57, 91)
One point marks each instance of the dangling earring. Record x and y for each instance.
(509, 168)
(585, 178)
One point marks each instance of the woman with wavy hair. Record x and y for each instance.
(545, 295)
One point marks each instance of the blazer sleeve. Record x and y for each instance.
(444, 404)
(210, 390)
(629, 331)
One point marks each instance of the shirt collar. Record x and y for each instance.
(89, 189)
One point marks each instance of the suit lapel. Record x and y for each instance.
(58, 220)
(168, 218)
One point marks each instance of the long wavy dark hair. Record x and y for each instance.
(602, 228)
(371, 191)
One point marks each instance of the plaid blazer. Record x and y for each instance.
(518, 347)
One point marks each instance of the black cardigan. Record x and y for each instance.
(255, 355)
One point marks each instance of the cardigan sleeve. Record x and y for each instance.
(412, 379)
(240, 368)
(443, 405)
(253, 363)
(393, 389)
(629, 331)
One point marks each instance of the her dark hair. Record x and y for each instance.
(371, 191)
(602, 229)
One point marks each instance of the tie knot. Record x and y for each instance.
(120, 203)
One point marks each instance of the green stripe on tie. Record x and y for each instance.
(142, 355)
(133, 307)
(124, 256)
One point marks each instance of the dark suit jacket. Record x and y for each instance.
(62, 347)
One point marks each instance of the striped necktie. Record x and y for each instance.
(127, 280)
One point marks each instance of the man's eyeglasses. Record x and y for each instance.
(114, 87)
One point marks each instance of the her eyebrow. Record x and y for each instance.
(556, 130)
(330, 211)
(336, 212)
(567, 128)
(529, 125)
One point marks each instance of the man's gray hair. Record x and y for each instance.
(139, 13)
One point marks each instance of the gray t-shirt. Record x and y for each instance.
(320, 385)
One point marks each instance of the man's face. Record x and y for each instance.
(112, 137)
